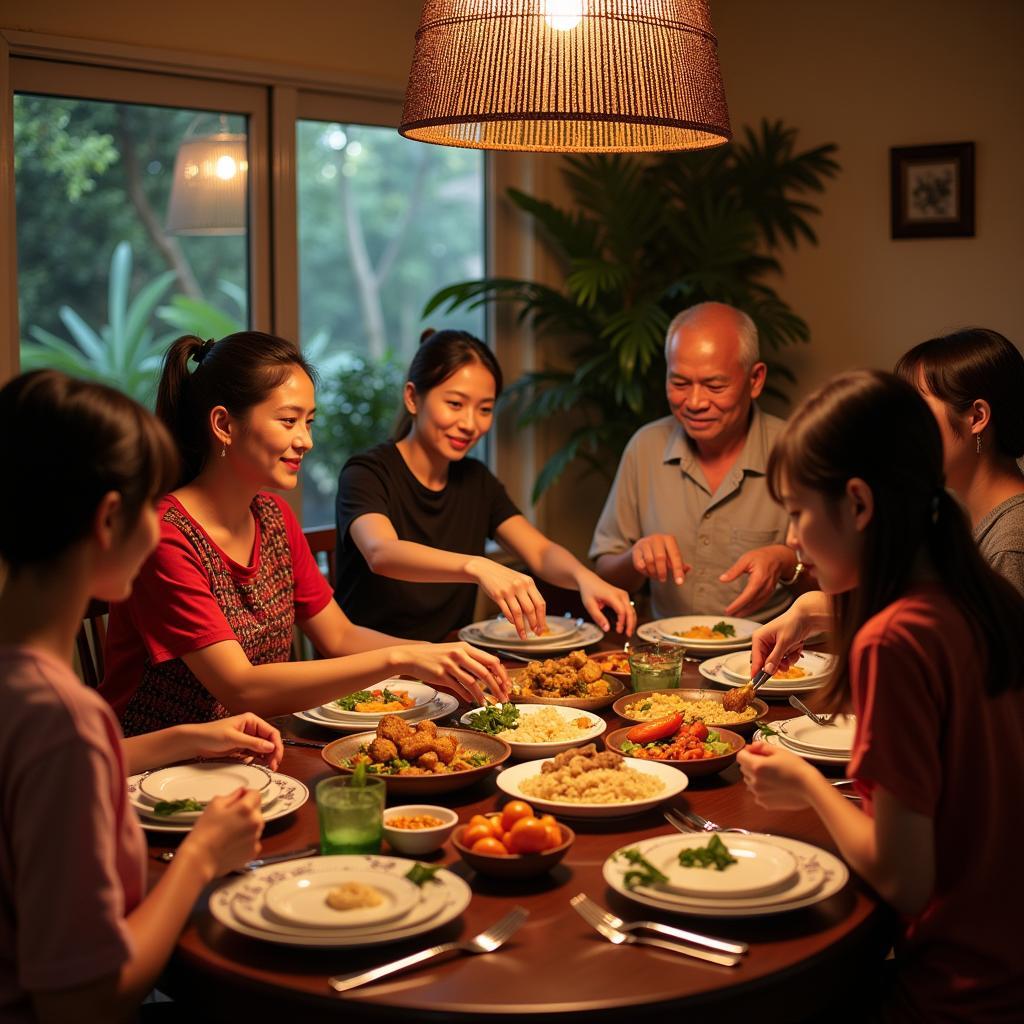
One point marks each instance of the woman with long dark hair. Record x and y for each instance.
(414, 514)
(208, 628)
(930, 661)
(973, 381)
(80, 940)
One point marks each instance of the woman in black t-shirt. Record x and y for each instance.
(413, 514)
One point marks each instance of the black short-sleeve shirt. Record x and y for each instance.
(459, 518)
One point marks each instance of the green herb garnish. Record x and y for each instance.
(359, 775)
(643, 872)
(724, 628)
(494, 718)
(627, 747)
(767, 730)
(420, 873)
(165, 808)
(348, 703)
(478, 758)
(715, 855)
(646, 706)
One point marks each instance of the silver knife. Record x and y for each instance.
(277, 858)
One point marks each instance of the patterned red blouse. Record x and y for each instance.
(190, 595)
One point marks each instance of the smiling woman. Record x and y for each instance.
(208, 628)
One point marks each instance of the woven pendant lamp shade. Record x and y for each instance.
(566, 76)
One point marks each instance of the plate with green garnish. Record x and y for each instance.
(185, 789)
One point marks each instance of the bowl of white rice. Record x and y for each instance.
(544, 730)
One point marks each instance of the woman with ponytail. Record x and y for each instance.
(414, 514)
(208, 628)
(930, 661)
(973, 382)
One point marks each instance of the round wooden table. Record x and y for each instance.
(555, 967)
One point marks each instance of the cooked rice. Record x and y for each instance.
(546, 726)
(706, 710)
(601, 786)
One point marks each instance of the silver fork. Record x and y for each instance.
(691, 821)
(624, 938)
(486, 942)
(593, 912)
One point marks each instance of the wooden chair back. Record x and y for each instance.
(92, 636)
(321, 543)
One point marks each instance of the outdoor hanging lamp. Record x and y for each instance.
(210, 185)
(566, 76)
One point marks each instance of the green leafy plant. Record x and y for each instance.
(642, 241)
(125, 352)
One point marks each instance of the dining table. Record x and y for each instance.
(555, 967)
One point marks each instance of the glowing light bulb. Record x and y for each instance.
(225, 168)
(563, 15)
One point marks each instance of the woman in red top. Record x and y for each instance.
(208, 628)
(79, 940)
(930, 661)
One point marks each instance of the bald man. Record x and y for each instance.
(689, 509)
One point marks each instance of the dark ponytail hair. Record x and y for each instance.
(874, 426)
(440, 354)
(974, 363)
(86, 440)
(238, 372)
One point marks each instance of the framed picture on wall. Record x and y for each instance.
(932, 191)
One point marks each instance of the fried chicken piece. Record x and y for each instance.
(415, 745)
(429, 728)
(577, 659)
(738, 699)
(382, 750)
(446, 747)
(590, 671)
(393, 728)
(427, 760)
(606, 759)
(566, 757)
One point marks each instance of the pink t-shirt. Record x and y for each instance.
(927, 733)
(72, 855)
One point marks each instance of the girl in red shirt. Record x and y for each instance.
(208, 627)
(78, 938)
(929, 660)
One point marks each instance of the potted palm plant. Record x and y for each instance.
(643, 240)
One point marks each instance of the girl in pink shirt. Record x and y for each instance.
(930, 661)
(79, 939)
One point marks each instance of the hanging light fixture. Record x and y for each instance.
(566, 76)
(210, 185)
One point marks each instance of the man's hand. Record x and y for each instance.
(657, 556)
(766, 566)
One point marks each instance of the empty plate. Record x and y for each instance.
(804, 734)
(203, 781)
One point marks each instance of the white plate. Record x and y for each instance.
(202, 781)
(807, 755)
(714, 670)
(674, 782)
(588, 634)
(304, 902)
(821, 876)
(668, 628)
(525, 750)
(803, 734)
(815, 664)
(421, 694)
(443, 706)
(650, 633)
(286, 795)
(441, 901)
(503, 631)
(761, 868)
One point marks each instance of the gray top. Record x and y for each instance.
(1000, 537)
(660, 488)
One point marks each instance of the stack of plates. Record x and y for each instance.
(822, 744)
(773, 875)
(563, 634)
(202, 781)
(668, 631)
(287, 904)
(430, 705)
(734, 670)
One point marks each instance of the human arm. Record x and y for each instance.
(224, 838)
(245, 734)
(778, 643)
(334, 634)
(555, 564)
(893, 851)
(767, 567)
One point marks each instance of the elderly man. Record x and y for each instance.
(689, 508)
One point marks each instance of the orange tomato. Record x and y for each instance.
(554, 836)
(513, 811)
(506, 840)
(491, 822)
(529, 835)
(476, 830)
(490, 845)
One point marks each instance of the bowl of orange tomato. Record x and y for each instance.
(513, 842)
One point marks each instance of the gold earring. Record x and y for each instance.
(977, 438)
(223, 451)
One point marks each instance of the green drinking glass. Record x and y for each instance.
(351, 815)
(655, 666)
